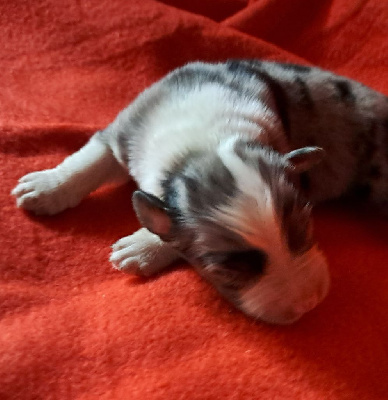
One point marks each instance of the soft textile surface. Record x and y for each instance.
(72, 327)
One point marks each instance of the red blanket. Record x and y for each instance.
(71, 327)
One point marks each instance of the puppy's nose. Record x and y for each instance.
(293, 313)
(306, 305)
(284, 317)
(289, 316)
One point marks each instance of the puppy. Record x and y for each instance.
(228, 158)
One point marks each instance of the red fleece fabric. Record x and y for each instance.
(71, 327)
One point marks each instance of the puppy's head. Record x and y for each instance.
(238, 217)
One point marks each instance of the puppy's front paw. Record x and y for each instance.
(142, 253)
(44, 192)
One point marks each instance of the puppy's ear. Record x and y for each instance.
(153, 214)
(303, 159)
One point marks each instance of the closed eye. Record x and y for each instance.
(249, 261)
(236, 269)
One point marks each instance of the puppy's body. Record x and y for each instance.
(227, 157)
(280, 105)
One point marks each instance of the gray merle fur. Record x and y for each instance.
(315, 107)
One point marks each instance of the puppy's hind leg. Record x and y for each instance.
(53, 190)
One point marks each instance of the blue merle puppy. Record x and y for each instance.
(229, 158)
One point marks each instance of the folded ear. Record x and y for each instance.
(305, 158)
(153, 214)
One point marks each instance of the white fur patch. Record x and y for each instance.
(142, 253)
(251, 214)
(200, 119)
(283, 298)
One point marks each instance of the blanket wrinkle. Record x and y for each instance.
(72, 327)
(217, 10)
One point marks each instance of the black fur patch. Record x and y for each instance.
(375, 172)
(301, 69)
(306, 99)
(344, 91)
(384, 124)
(290, 206)
(370, 144)
(304, 181)
(193, 75)
(365, 148)
(361, 191)
(208, 183)
(242, 66)
(255, 68)
(170, 195)
(280, 97)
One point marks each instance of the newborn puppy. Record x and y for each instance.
(229, 158)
